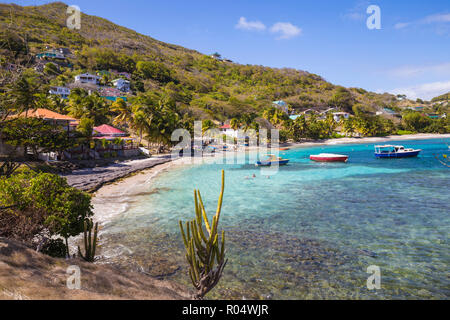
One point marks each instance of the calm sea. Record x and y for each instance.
(309, 232)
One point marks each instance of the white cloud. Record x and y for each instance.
(401, 25)
(442, 69)
(286, 30)
(243, 24)
(426, 91)
(434, 19)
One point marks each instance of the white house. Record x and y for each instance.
(340, 115)
(122, 85)
(87, 78)
(60, 91)
(228, 131)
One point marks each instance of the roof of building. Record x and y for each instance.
(108, 130)
(226, 126)
(46, 114)
(110, 92)
(281, 103)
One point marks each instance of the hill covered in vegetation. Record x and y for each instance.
(209, 88)
(194, 85)
(443, 97)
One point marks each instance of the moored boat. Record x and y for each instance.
(390, 151)
(329, 157)
(272, 160)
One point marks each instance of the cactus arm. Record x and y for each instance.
(205, 218)
(183, 234)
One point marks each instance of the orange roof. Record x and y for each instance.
(46, 114)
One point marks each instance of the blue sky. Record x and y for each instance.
(410, 53)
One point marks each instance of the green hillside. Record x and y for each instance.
(444, 97)
(210, 88)
(195, 85)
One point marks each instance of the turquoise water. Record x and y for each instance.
(308, 232)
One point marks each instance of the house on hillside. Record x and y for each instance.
(68, 123)
(281, 105)
(417, 108)
(122, 85)
(60, 91)
(338, 116)
(51, 54)
(87, 78)
(111, 94)
(108, 131)
(228, 131)
(323, 114)
(112, 142)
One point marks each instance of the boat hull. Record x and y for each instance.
(410, 154)
(271, 163)
(329, 159)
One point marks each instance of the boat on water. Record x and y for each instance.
(285, 149)
(390, 151)
(329, 157)
(272, 160)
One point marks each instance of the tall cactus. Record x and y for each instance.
(204, 251)
(90, 244)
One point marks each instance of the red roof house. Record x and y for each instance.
(108, 131)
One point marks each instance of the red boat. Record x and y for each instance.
(328, 157)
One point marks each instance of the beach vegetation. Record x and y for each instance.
(41, 201)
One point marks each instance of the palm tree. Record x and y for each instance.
(23, 94)
(125, 112)
(141, 122)
(207, 125)
(57, 103)
(235, 124)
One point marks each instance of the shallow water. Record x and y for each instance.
(308, 232)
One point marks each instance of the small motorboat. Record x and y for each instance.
(329, 157)
(272, 160)
(389, 151)
(285, 149)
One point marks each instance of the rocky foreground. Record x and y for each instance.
(26, 274)
(92, 179)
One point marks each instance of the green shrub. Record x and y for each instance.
(54, 248)
(41, 201)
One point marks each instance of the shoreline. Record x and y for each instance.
(331, 142)
(92, 179)
(112, 198)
